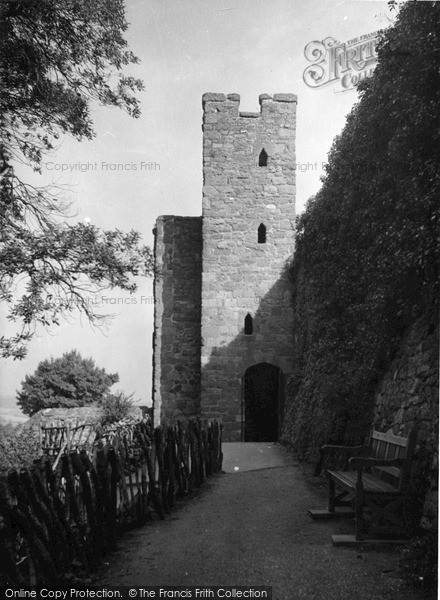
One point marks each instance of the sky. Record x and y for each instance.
(187, 48)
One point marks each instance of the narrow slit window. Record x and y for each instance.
(262, 159)
(248, 325)
(262, 233)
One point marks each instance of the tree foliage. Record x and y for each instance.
(367, 255)
(67, 382)
(57, 55)
(115, 408)
(57, 58)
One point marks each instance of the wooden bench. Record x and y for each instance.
(374, 482)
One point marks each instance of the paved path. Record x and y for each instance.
(249, 526)
(239, 457)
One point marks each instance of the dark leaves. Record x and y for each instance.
(57, 57)
(67, 381)
(368, 245)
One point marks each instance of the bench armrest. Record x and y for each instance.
(358, 462)
(341, 450)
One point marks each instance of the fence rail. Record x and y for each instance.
(68, 509)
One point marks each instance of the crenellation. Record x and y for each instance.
(291, 98)
(276, 110)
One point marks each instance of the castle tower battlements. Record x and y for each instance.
(232, 104)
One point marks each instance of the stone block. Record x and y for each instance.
(285, 98)
(212, 97)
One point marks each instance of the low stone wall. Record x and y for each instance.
(407, 397)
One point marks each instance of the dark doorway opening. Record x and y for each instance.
(262, 385)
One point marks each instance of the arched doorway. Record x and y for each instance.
(262, 385)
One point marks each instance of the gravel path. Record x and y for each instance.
(250, 527)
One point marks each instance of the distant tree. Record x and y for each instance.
(56, 58)
(64, 382)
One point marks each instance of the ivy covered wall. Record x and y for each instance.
(365, 270)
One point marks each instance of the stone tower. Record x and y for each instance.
(248, 235)
(177, 314)
(223, 323)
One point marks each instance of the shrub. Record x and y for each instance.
(19, 446)
(115, 407)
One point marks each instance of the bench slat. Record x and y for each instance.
(371, 484)
(390, 438)
(394, 471)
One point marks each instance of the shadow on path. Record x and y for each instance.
(250, 527)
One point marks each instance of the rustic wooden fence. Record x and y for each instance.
(59, 436)
(67, 511)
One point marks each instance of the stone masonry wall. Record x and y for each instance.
(407, 397)
(177, 314)
(240, 275)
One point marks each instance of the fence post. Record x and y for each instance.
(112, 509)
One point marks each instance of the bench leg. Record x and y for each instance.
(388, 517)
(359, 512)
(331, 495)
(334, 500)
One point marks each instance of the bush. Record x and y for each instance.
(19, 446)
(115, 407)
